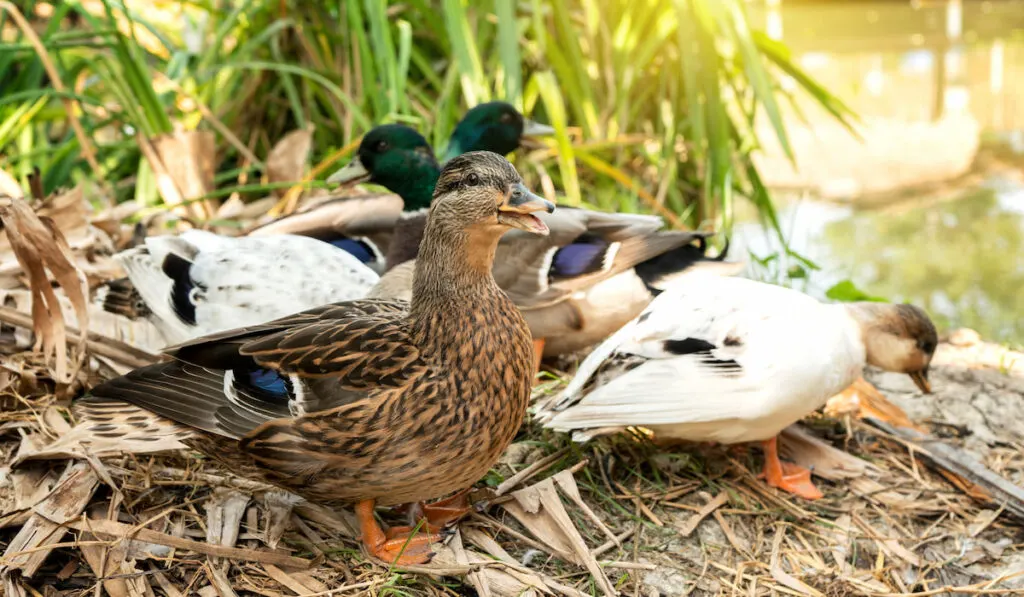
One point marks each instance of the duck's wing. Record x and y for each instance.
(361, 225)
(199, 283)
(584, 248)
(230, 383)
(705, 350)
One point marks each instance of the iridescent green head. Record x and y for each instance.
(494, 126)
(397, 157)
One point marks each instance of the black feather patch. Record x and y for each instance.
(178, 268)
(655, 269)
(585, 255)
(703, 348)
(688, 346)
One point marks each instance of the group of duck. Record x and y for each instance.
(355, 353)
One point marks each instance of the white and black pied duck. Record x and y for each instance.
(731, 360)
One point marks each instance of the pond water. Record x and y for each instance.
(957, 253)
(960, 256)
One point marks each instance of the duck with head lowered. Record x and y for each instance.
(731, 360)
(590, 276)
(369, 401)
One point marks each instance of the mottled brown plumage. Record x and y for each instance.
(372, 400)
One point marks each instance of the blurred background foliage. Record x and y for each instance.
(654, 101)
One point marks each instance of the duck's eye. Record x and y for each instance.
(925, 345)
(472, 179)
(381, 146)
(506, 118)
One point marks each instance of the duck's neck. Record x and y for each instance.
(414, 182)
(453, 282)
(867, 315)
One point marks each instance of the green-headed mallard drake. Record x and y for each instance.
(589, 277)
(732, 360)
(370, 401)
(493, 126)
(364, 225)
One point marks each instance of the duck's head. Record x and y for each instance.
(482, 193)
(397, 157)
(898, 338)
(493, 126)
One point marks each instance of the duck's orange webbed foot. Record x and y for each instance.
(441, 513)
(396, 546)
(444, 512)
(538, 354)
(786, 476)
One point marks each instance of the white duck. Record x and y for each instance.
(197, 282)
(731, 360)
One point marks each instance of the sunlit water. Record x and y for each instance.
(960, 256)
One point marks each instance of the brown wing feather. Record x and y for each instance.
(359, 352)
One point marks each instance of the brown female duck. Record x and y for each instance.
(370, 401)
(590, 276)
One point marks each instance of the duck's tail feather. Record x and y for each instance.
(190, 395)
(661, 271)
(111, 427)
(122, 298)
(155, 283)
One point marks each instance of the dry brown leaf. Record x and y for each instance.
(961, 468)
(219, 580)
(40, 247)
(183, 163)
(289, 157)
(504, 578)
(522, 574)
(27, 551)
(9, 185)
(540, 510)
(224, 512)
(288, 580)
(112, 562)
(279, 506)
(567, 483)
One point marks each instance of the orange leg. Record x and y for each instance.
(538, 353)
(786, 476)
(396, 547)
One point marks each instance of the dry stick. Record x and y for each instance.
(529, 471)
(97, 344)
(691, 524)
(51, 71)
(112, 528)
